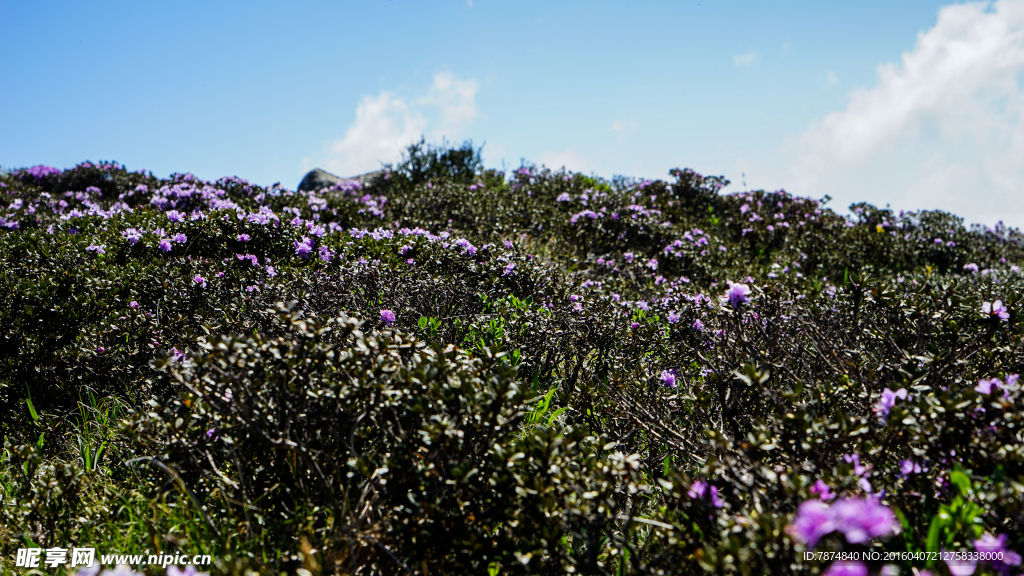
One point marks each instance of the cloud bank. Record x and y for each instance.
(386, 124)
(943, 129)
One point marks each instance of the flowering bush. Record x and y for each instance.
(528, 373)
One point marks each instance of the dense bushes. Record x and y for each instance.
(528, 374)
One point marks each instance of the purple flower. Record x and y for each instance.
(244, 237)
(987, 386)
(652, 263)
(972, 266)
(200, 281)
(175, 216)
(908, 467)
(97, 249)
(737, 294)
(846, 568)
(1011, 381)
(180, 238)
(628, 256)
(995, 309)
(387, 317)
(859, 520)
(863, 519)
(888, 400)
(133, 304)
(303, 247)
(995, 545)
(673, 317)
(165, 244)
(133, 235)
(634, 325)
(822, 490)
(508, 268)
(41, 171)
(698, 325)
(668, 378)
(325, 254)
(701, 490)
(508, 244)
(271, 272)
(813, 520)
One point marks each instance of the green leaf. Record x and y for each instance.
(960, 480)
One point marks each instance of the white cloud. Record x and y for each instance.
(620, 127)
(944, 129)
(831, 79)
(569, 158)
(748, 59)
(455, 100)
(386, 124)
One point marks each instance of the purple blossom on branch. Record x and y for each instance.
(822, 490)
(387, 317)
(888, 400)
(701, 490)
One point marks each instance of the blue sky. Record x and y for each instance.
(917, 104)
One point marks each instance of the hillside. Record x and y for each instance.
(450, 370)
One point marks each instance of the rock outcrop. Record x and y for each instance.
(317, 179)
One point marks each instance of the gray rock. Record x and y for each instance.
(317, 179)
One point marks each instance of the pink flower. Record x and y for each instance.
(995, 309)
